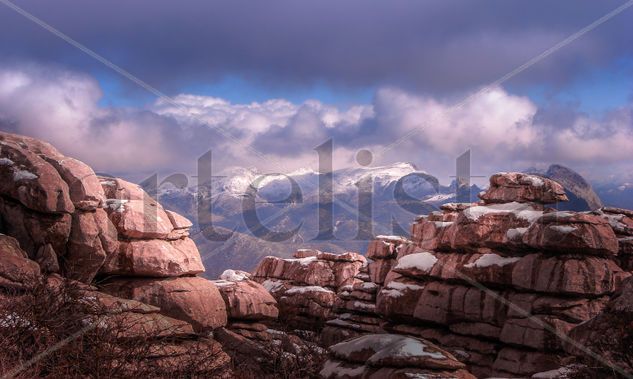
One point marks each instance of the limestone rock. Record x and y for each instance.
(515, 186)
(191, 299)
(155, 258)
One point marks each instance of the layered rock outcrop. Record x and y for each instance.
(59, 218)
(498, 284)
(305, 287)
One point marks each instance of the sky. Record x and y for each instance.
(262, 84)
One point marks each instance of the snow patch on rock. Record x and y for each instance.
(421, 261)
(488, 260)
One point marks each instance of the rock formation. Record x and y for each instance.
(488, 288)
(497, 283)
(305, 287)
(60, 218)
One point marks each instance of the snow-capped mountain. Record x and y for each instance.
(242, 197)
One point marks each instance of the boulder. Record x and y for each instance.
(246, 299)
(397, 299)
(17, 271)
(391, 355)
(588, 276)
(487, 226)
(92, 239)
(620, 220)
(139, 219)
(155, 258)
(33, 229)
(515, 186)
(567, 232)
(28, 179)
(191, 299)
(447, 304)
(312, 270)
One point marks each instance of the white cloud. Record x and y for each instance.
(62, 107)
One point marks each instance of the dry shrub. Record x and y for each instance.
(60, 331)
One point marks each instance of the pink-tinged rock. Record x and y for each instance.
(487, 226)
(565, 308)
(446, 304)
(524, 362)
(488, 268)
(306, 253)
(304, 304)
(454, 208)
(379, 269)
(543, 333)
(515, 186)
(178, 221)
(593, 276)
(30, 180)
(309, 271)
(83, 185)
(432, 235)
(416, 265)
(33, 229)
(384, 247)
(247, 300)
(567, 232)
(155, 258)
(477, 329)
(119, 189)
(397, 299)
(620, 220)
(194, 300)
(343, 257)
(47, 259)
(93, 238)
(139, 219)
(16, 270)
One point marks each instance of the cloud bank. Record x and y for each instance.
(504, 131)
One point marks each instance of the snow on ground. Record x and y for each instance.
(421, 261)
(488, 260)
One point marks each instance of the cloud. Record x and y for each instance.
(428, 47)
(600, 141)
(504, 131)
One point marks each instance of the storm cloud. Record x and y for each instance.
(427, 47)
